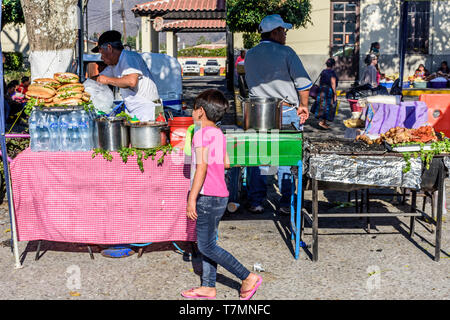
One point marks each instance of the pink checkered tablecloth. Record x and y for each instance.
(70, 197)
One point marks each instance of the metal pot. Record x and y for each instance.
(148, 134)
(262, 113)
(112, 133)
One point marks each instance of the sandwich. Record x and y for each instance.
(68, 102)
(86, 97)
(71, 87)
(39, 91)
(48, 82)
(66, 77)
(64, 97)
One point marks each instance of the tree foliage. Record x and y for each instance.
(245, 15)
(202, 52)
(12, 12)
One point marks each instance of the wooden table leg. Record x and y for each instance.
(315, 223)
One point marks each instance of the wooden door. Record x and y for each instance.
(344, 43)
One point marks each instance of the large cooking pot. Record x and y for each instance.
(262, 113)
(112, 133)
(148, 134)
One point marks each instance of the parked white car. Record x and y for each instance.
(191, 67)
(212, 67)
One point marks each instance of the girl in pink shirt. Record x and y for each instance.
(208, 197)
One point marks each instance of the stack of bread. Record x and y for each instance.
(64, 89)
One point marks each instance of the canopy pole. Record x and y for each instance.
(80, 41)
(12, 218)
(403, 39)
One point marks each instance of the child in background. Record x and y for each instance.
(421, 72)
(208, 197)
(23, 87)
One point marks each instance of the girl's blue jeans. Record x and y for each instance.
(209, 211)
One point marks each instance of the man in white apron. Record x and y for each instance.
(128, 71)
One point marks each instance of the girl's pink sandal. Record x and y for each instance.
(252, 291)
(195, 296)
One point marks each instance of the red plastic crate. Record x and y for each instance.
(438, 111)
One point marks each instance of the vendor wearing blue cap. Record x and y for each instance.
(128, 71)
(273, 69)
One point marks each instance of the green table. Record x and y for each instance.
(271, 148)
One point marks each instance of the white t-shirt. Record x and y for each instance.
(138, 100)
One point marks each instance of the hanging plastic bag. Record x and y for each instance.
(101, 95)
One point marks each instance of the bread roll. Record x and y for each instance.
(78, 87)
(47, 81)
(66, 77)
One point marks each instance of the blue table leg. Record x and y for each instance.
(296, 218)
(298, 227)
(292, 224)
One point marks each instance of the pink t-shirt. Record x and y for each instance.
(213, 139)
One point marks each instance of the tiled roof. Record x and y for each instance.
(194, 24)
(179, 5)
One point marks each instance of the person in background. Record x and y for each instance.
(240, 58)
(274, 70)
(24, 83)
(375, 49)
(370, 73)
(15, 105)
(421, 72)
(324, 108)
(443, 72)
(208, 197)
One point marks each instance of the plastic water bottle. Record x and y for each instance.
(64, 141)
(34, 133)
(85, 130)
(74, 133)
(93, 116)
(54, 131)
(44, 132)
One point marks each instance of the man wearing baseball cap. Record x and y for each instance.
(273, 69)
(128, 71)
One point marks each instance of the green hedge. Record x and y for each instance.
(202, 52)
(13, 61)
(16, 75)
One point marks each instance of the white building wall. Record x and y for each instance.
(14, 39)
(380, 21)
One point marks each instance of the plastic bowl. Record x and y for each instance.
(420, 85)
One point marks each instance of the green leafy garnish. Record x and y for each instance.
(141, 154)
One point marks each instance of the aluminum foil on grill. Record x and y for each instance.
(380, 171)
(447, 163)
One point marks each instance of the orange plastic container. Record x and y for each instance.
(438, 111)
(178, 127)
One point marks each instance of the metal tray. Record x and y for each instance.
(60, 108)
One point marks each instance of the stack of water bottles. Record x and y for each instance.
(62, 131)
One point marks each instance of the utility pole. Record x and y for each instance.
(86, 13)
(122, 12)
(110, 14)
